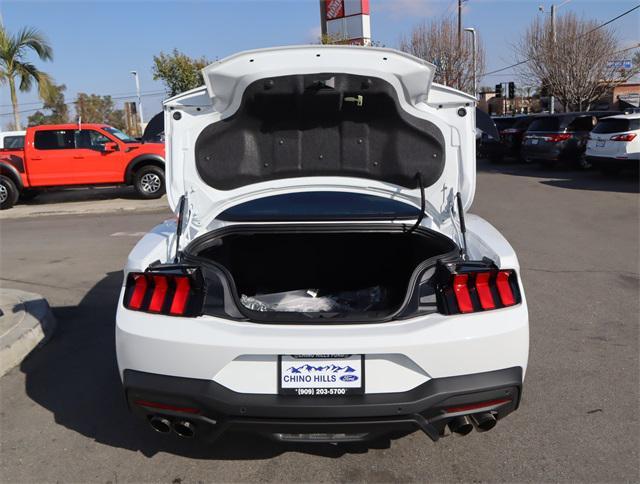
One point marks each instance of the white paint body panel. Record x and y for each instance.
(400, 355)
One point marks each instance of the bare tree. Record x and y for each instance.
(576, 66)
(436, 41)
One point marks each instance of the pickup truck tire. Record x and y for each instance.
(149, 182)
(8, 193)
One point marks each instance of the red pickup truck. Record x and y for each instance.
(76, 155)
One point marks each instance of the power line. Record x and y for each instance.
(577, 38)
(33, 110)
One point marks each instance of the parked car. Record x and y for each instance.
(560, 138)
(11, 140)
(79, 155)
(512, 136)
(510, 129)
(614, 143)
(318, 282)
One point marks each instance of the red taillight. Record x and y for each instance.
(556, 138)
(160, 286)
(181, 296)
(478, 290)
(624, 137)
(484, 290)
(177, 293)
(461, 291)
(139, 291)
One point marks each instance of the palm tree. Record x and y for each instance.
(14, 65)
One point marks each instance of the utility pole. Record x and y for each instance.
(472, 31)
(135, 75)
(459, 25)
(553, 40)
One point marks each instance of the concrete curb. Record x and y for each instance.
(26, 322)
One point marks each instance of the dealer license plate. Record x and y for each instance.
(320, 375)
(600, 144)
(534, 141)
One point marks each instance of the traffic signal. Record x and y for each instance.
(498, 90)
(512, 90)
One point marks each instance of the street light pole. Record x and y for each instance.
(553, 40)
(553, 43)
(473, 56)
(135, 75)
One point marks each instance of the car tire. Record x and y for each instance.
(149, 182)
(583, 163)
(8, 193)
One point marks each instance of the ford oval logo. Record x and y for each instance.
(348, 378)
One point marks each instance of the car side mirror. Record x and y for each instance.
(110, 147)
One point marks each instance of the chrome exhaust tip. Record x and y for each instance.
(484, 421)
(160, 424)
(460, 425)
(184, 429)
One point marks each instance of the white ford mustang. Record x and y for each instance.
(322, 280)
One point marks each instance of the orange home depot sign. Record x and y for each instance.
(347, 21)
(334, 9)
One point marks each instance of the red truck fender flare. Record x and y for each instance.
(145, 159)
(7, 169)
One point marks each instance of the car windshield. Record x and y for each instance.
(119, 134)
(547, 123)
(613, 125)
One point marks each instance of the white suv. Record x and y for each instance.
(614, 143)
(322, 280)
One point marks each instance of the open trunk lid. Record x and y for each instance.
(320, 118)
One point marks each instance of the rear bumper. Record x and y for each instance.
(427, 407)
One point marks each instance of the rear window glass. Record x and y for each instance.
(583, 123)
(616, 125)
(319, 206)
(523, 123)
(14, 142)
(550, 123)
(504, 123)
(55, 139)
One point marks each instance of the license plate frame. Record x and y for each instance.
(600, 143)
(317, 389)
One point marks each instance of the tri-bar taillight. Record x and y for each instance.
(169, 290)
(477, 289)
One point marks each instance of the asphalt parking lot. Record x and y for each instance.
(63, 417)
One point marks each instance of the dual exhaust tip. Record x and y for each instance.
(462, 424)
(182, 428)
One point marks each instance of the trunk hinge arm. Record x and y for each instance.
(182, 215)
(423, 203)
(457, 212)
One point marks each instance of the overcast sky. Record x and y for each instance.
(97, 43)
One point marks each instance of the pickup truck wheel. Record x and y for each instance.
(149, 182)
(8, 193)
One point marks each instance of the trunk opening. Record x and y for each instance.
(369, 273)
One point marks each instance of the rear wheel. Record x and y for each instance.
(149, 182)
(583, 163)
(8, 193)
